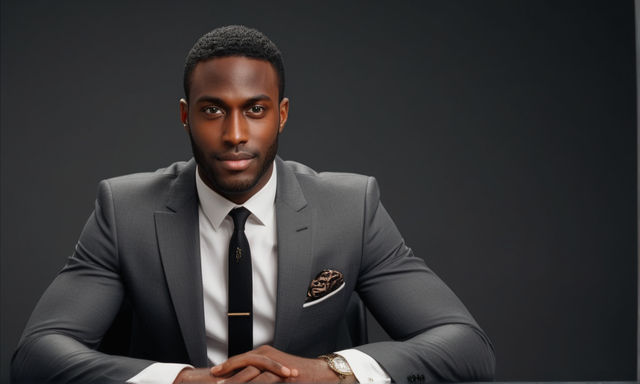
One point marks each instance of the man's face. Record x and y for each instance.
(233, 119)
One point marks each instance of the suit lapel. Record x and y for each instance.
(294, 253)
(177, 230)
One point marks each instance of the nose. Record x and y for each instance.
(236, 130)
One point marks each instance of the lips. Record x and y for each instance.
(236, 161)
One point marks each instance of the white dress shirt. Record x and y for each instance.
(216, 228)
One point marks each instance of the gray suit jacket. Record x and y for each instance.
(140, 250)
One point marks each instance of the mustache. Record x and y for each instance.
(234, 155)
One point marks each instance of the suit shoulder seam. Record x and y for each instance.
(115, 228)
(364, 219)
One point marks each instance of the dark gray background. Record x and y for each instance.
(503, 135)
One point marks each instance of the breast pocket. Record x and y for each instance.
(324, 298)
(322, 314)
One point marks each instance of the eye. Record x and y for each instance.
(257, 110)
(212, 110)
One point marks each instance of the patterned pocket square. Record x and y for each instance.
(327, 283)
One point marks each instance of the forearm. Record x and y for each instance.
(57, 358)
(452, 352)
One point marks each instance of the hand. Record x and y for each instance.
(196, 375)
(266, 364)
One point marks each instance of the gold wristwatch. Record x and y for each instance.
(338, 364)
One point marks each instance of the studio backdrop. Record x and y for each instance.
(502, 134)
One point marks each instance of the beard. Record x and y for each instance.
(229, 187)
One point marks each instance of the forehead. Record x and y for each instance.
(234, 76)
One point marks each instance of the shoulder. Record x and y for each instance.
(331, 184)
(165, 174)
(150, 187)
(306, 174)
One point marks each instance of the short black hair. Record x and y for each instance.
(234, 40)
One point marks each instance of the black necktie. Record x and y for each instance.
(240, 315)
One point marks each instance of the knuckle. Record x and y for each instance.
(252, 370)
(262, 349)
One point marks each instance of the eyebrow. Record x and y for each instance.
(220, 102)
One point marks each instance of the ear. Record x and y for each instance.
(184, 114)
(284, 113)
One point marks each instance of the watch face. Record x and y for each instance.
(341, 364)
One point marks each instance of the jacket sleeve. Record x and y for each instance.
(60, 341)
(435, 337)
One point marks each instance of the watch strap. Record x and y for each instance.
(330, 359)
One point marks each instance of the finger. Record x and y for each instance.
(198, 375)
(266, 377)
(261, 362)
(244, 375)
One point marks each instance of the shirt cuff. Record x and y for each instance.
(158, 373)
(364, 367)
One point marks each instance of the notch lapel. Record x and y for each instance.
(177, 231)
(293, 218)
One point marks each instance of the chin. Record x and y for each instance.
(240, 185)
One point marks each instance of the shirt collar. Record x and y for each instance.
(216, 207)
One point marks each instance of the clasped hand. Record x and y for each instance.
(264, 364)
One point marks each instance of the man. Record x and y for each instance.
(243, 261)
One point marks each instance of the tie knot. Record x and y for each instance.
(239, 216)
